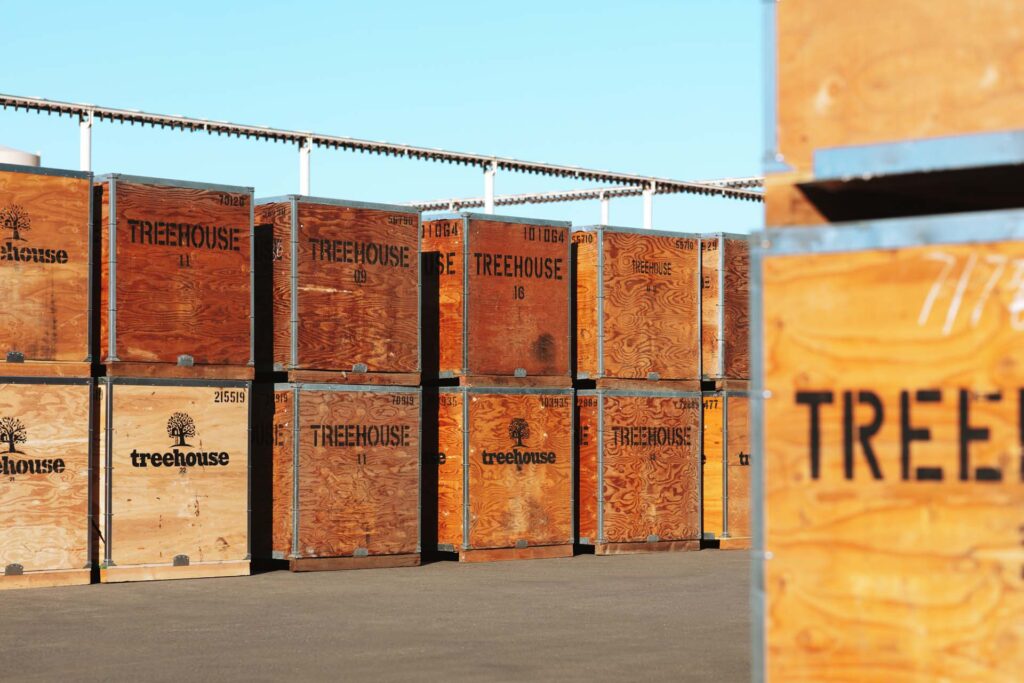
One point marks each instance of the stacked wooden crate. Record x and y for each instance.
(725, 370)
(47, 411)
(339, 350)
(637, 320)
(497, 320)
(175, 338)
(888, 354)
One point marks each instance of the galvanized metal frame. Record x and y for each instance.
(600, 469)
(773, 159)
(721, 306)
(293, 278)
(350, 203)
(91, 449)
(600, 310)
(170, 182)
(112, 271)
(758, 395)
(90, 344)
(108, 466)
(496, 218)
(296, 550)
(725, 465)
(252, 281)
(44, 170)
(466, 545)
(465, 294)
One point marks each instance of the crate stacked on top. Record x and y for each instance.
(47, 409)
(725, 371)
(338, 349)
(175, 368)
(497, 312)
(638, 372)
(888, 351)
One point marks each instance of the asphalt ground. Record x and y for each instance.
(658, 617)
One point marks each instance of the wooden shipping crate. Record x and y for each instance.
(45, 454)
(725, 306)
(637, 304)
(846, 75)
(174, 479)
(505, 473)
(726, 461)
(639, 470)
(345, 279)
(346, 476)
(45, 272)
(504, 297)
(888, 402)
(176, 284)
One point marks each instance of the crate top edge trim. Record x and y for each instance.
(175, 382)
(171, 182)
(353, 388)
(637, 231)
(476, 216)
(892, 233)
(45, 170)
(506, 390)
(640, 393)
(351, 203)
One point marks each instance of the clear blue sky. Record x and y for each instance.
(658, 88)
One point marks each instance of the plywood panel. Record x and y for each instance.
(283, 475)
(738, 449)
(586, 243)
(449, 469)
(44, 476)
(161, 511)
(512, 500)
(651, 468)
(878, 71)
(713, 481)
(359, 464)
(725, 317)
(276, 218)
(587, 449)
(894, 486)
(651, 322)
(442, 241)
(44, 267)
(175, 298)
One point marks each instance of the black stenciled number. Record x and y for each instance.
(359, 276)
(184, 260)
(361, 458)
(518, 292)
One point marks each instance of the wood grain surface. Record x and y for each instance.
(651, 323)
(442, 242)
(713, 480)
(450, 437)
(725, 316)
(359, 496)
(46, 311)
(174, 300)
(505, 332)
(275, 262)
(282, 480)
(512, 503)
(587, 426)
(867, 72)
(739, 463)
(45, 516)
(353, 312)
(651, 488)
(161, 512)
(586, 244)
(902, 561)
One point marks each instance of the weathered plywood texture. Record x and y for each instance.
(893, 477)
(162, 511)
(442, 241)
(586, 454)
(586, 244)
(852, 73)
(713, 480)
(282, 479)
(739, 462)
(275, 263)
(359, 464)
(175, 298)
(44, 478)
(449, 470)
(44, 268)
(725, 306)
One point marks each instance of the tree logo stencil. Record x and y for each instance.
(181, 427)
(15, 219)
(518, 431)
(12, 432)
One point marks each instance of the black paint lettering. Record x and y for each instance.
(814, 399)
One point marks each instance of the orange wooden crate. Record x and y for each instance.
(45, 471)
(637, 304)
(176, 284)
(345, 290)
(45, 257)
(725, 306)
(639, 470)
(726, 461)
(346, 476)
(505, 472)
(889, 504)
(870, 72)
(503, 291)
(174, 479)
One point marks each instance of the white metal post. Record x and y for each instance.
(304, 149)
(489, 173)
(604, 208)
(85, 142)
(649, 206)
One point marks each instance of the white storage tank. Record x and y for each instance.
(9, 155)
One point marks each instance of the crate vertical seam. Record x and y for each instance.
(465, 469)
(252, 282)
(465, 295)
(293, 322)
(700, 318)
(419, 300)
(725, 464)
(108, 484)
(600, 467)
(248, 473)
(758, 397)
(721, 306)
(600, 305)
(90, 559)
(295, 388)
(90, 353)
(574, 461)
(112, 273)
(419, 480)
